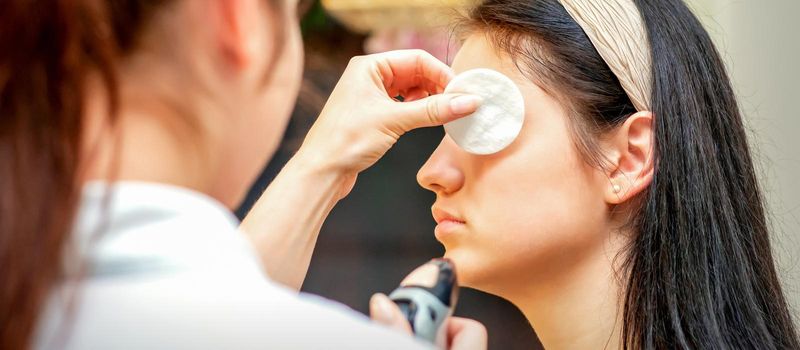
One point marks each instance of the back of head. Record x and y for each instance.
(51, 51)
(699, 270)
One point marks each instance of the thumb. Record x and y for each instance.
(384, 311)
(436, 110)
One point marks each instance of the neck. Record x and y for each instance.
(152, 140)
(579, 308)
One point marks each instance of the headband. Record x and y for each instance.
(617, 31)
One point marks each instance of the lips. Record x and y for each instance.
(448, 225)
(443, 216)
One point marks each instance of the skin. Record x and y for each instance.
(535, 223)
(171, 127)
(195, 111)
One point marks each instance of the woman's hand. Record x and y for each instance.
(362, 120)
(359, 123)
(462, 333)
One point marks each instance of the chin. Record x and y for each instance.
(471, 272)
(484, 272)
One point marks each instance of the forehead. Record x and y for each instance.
(541, 108)
(477, 51)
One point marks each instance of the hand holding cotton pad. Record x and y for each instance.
(498, 120)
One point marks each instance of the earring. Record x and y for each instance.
(617, 188)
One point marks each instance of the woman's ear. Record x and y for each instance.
(240, 31)
(631, 158)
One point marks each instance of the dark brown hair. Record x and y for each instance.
(699, 272)
(48, 49)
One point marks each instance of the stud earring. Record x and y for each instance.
(617, 188)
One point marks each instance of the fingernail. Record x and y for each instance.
(380, 303)
(465, 103)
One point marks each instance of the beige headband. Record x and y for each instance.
(617, 31)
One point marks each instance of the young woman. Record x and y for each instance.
(627, 213)
(129, 128)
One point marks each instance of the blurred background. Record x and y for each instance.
(384, 229)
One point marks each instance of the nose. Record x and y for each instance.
(442, 173)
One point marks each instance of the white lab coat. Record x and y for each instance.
(161, 267)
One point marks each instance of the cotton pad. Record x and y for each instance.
(497, 121)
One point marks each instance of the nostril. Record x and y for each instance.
(430, 178)
(428, 184)
(438, 189)
(440, 178)
(421, 180)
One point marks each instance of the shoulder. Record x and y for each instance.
(174, 272)
(190, 310)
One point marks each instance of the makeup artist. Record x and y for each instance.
(130, 128)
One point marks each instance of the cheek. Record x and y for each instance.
(266, 115)
(278, 96)
(285, 79)
(532, 210)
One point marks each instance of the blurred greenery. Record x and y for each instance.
(314, 20)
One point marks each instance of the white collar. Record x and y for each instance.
(125, 196)
(135, 226)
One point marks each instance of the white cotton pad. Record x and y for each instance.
(497, 121)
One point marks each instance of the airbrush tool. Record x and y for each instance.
(427, 298)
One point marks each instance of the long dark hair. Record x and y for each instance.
(48, 49)
(699, 271)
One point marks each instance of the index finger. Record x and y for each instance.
(466, 334)
(409, 69)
